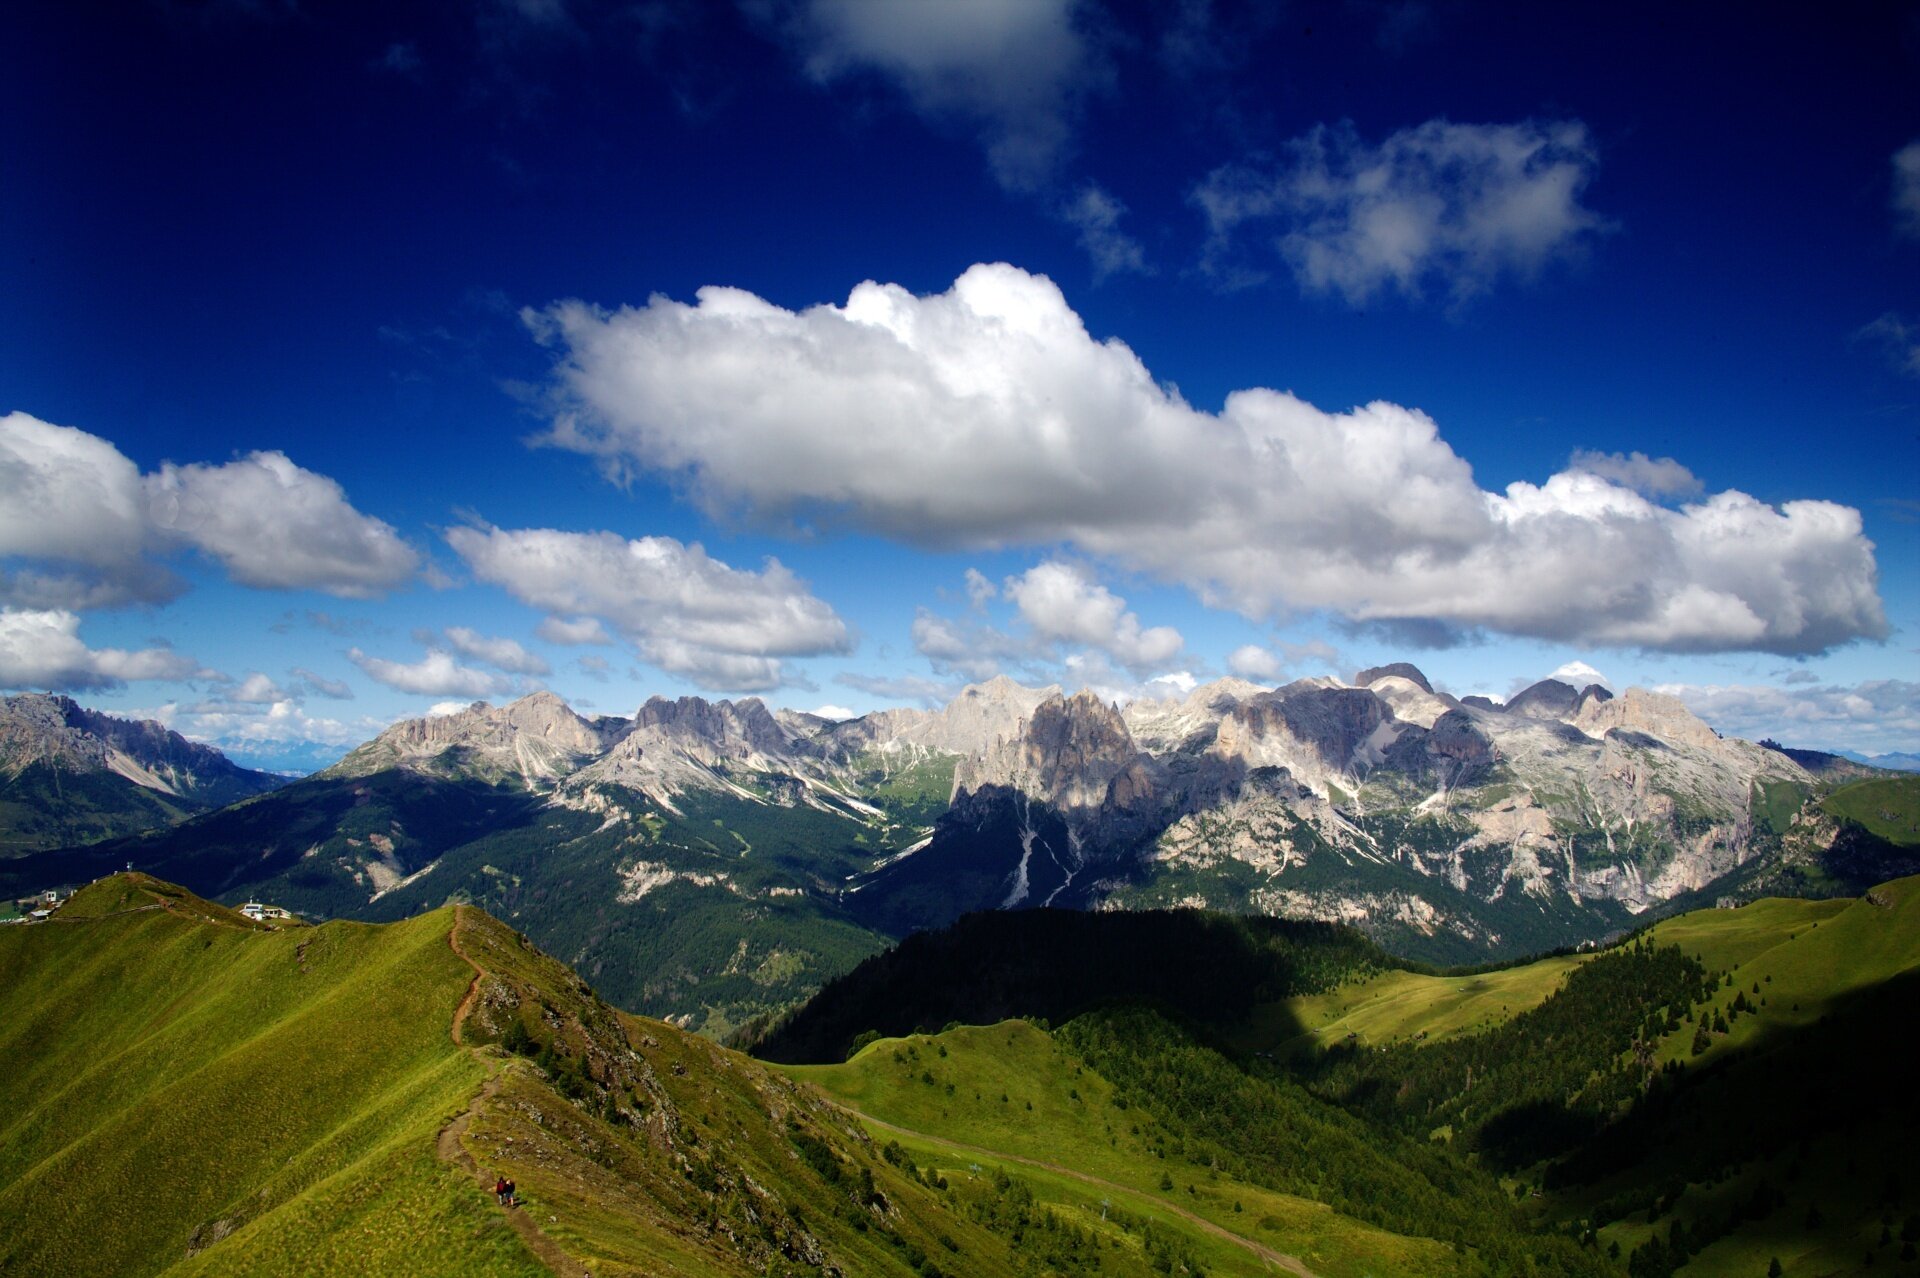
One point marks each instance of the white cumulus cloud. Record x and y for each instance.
(83, 528)
(500, 653)
(1251, 661)
(435, 675)
(1875, 717)
(1457, 206)
(276, 525)
(73, 517)
(256, 689)
(683, 610)
(966, 647)
(988, 416)
(1062, 603)
(1906, 189)
(1013, 71)
(42, 648)
(1656, 477)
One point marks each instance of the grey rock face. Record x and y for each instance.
(1411, 673)
(57, 731)
(1548, 699)
(536, 741)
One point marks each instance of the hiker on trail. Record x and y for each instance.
(512, 1200)
(501, 1188)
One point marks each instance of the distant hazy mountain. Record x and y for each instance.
(714, 860)
(71, 775)
(1899, 762)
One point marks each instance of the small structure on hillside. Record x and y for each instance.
(259, 912)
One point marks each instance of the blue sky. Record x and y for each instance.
(356, 360)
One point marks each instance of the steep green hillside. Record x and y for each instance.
(717, 913)
(1782, 1124)
(45, 806)
(186, 1093)
(1024, 1095)
(168, 1078)
(1886, 807)
(1726, 1088)
(1056, 964)
(1721, 1108)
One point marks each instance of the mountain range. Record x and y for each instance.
(714, 861)
(71, 775)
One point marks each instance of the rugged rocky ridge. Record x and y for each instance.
(1456, 819)
(709, 858)
(69, 774)
(1564, 813)
(534, 741)
(41, 728)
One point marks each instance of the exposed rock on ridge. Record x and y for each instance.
(56, 731)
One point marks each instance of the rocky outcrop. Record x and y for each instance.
(1548, 699)
(1648, 714)
(1071, 753)
(1398, 669)
(57, 732)
(1323, 734)
(535, 741)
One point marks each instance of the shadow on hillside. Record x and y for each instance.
(259, 839)
(1850, 1072)
(1209, 971)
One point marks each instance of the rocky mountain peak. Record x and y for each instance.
(1411, 702)
(1069, 754)
(720, 724)
(1188, 722)
(1401, 669)
(1651, 714)
(536, 739)
(1318, 733)
(1548, 699)
(56, 731)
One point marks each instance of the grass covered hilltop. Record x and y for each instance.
(184, 1092)
(188, 1092)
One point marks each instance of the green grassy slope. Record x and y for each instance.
(1886, 807)
(1056, 964)
(726, 1161)
(1019, 1092)
(46, 806)
(169, 1078)
(1775, 1123)
(1406, 1005)
(184, 1093)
